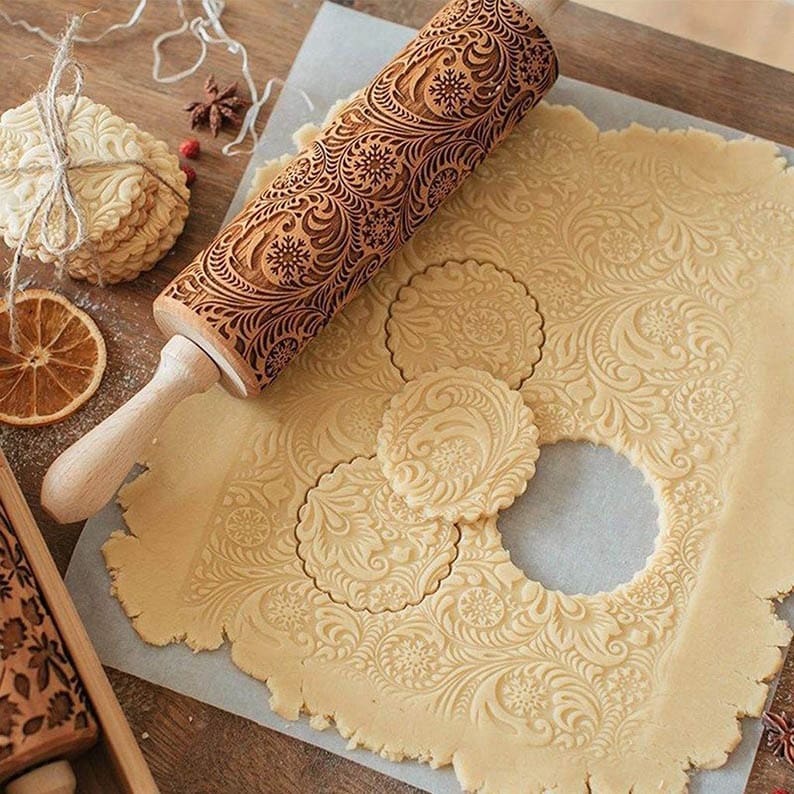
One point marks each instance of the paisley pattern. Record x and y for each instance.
(662, 267)
(297, 253)
(468, 313)
(363, 545)
(458, 444)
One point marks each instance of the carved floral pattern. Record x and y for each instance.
(653, 258)
(41, 698)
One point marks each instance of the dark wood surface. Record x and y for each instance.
(190, 746)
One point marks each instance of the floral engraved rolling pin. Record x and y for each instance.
(55, 701)
(44, 713)
(297, 253)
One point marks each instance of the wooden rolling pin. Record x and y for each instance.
(44, 713)
(54, 695)
(272, 279)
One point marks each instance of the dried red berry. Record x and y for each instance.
(190, 148)
(190, 174)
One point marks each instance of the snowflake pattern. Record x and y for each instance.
(694, 499)
(247, 526)
(711, 405)
(450, 89)
(444, 182)
(626, 685)
(553, 422)
(621, 246)
(534, 63)
(523, 695)
(411, 661)
(286, 257)
(389, 596)
(362, 420)
(286, 610)
(483, 325)
(280, 355)
(451, 457)
(648, 591)
(661, 325)
(378, 228)
(377, 163)
(481, 607)
(293, 175)
(450, 14)
(561, 293)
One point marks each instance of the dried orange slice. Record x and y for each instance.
(59, 364)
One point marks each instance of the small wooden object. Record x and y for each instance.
(54, 695)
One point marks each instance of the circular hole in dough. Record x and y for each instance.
(586, 523)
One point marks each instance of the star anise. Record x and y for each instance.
(779, 734)
(217, 108)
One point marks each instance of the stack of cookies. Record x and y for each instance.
(128, 189)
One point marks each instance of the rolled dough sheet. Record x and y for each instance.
(655, 466)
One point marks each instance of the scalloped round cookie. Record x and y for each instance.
(458, 443)
(465, 314)
(105, 194)
(365, 547)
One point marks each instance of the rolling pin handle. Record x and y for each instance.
(53, 778)
(84, 478)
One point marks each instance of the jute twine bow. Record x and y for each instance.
(55, 125)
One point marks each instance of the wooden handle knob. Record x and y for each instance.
(54, 778)
(84, 478)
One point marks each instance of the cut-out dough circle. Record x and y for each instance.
(458, 444)
(465, 314)
(363, 545)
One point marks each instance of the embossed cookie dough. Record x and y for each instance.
(465, 313)
(365, 547)
(662, 264)
(458, 444)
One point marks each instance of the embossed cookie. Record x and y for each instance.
(105, 194)
(363, 545)
(465, 314)
(131, 251)
(130, 223)
(458, 444)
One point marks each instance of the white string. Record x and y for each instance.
(133, 20)
(208, 30)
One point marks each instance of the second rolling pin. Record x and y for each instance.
(272, 279)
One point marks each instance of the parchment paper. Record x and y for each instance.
(586, 523)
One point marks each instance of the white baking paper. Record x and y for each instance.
(586, 522)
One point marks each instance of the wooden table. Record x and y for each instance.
(190, 746)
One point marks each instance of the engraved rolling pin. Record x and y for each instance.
(273, 277)
(45, 717)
